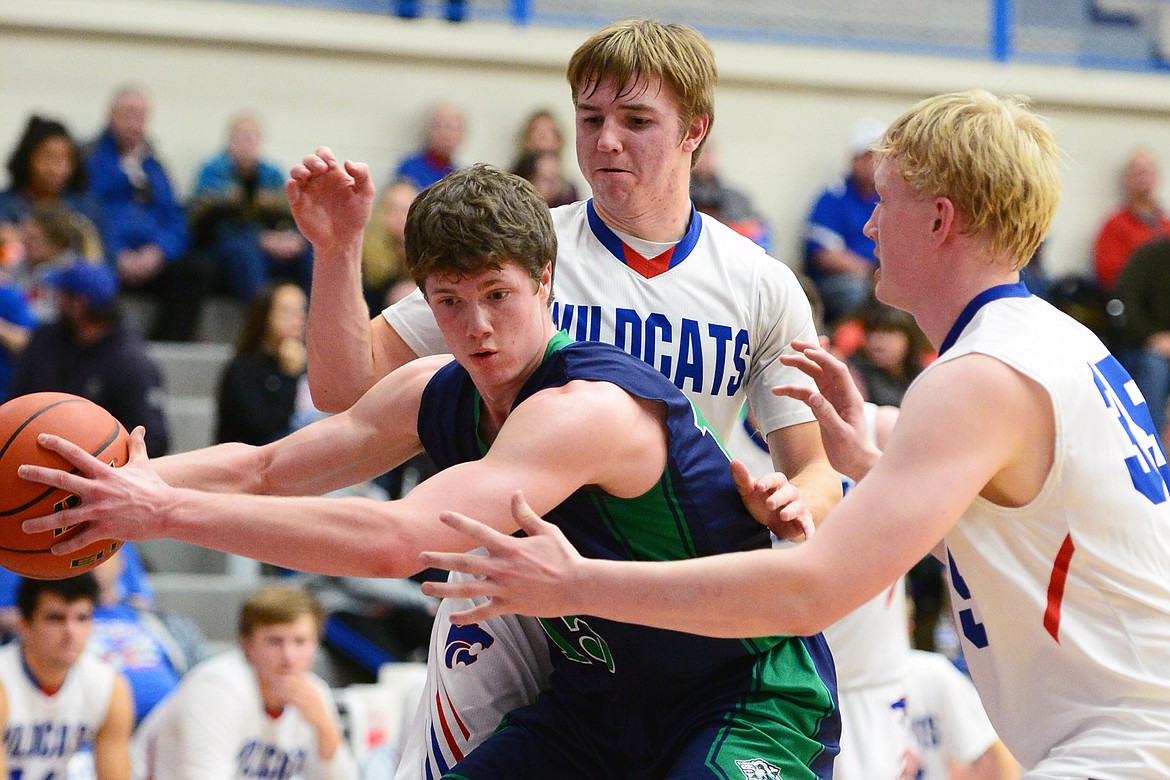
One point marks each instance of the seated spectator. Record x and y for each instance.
(838, 256)
(539, 159)
(730, 206)
(540, 133)
(55, 698)
(891, 354)
(384, 245)
(16, 323)
(254, 712)
(436, 158)
(1144, 291)
(1140, 219)
(374, 621)
(543, 169)
(133, 588)
(143, 225)
(258, 390)
(240, 216)
(953, 735)
(51, 244)
(92, 352)
(46, 169)
(151, 650)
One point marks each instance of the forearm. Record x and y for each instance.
(819, 485)
(223, 468)
(341, 357)
(702, 595)
(354, 537)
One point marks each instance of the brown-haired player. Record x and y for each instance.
(637, 267)
(606, 444)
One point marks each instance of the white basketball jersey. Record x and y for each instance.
(44, 731)
(712, 313)
(945, 715)
(870, 648)
(1063, 605)
(214, 725)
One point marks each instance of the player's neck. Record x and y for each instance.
(48, 678)
(947, 303)
(662, 221)
(497, 400)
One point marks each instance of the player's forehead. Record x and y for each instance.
(303, 626)
(53, 606)
(465, 281)
(636, 92)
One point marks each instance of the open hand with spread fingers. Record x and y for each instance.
(837, 405)
(533, 575)
(121, 503)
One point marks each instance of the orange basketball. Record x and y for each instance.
(82, 422)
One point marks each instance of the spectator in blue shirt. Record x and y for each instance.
(445, 127)
(838, 257)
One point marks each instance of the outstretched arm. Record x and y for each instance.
(348, 353)
(880, 529)
(362, 537)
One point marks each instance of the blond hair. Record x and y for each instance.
(993, 157)
(639, 49)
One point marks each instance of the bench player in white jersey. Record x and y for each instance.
(254, 712)
(637, 266)
(55, 698)
(1025, 447)
(870, 647)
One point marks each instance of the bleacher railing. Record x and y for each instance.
(1108, 34)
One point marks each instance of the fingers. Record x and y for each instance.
(85, 463)
(742, 477)
(461, 562)
(138, 444)
(477, 615)
(486, 536)
(359, 171)
(529, 522)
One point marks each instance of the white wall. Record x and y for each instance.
(361, 83)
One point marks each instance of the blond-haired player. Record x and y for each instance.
(1025, 448)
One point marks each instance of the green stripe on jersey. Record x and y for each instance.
(650, 527)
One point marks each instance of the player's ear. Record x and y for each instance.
(546, 280)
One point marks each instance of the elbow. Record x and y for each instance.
(326, 398)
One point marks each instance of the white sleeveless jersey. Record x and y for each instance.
(713, 314)
(1063, 605)
(214, 726)
(43, 732)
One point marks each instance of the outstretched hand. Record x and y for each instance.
(330, 200)
(774, 502)
(116, 503)
(532, 575)
(837, 405)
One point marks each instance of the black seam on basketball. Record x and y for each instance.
(101, 448)
(25, 424)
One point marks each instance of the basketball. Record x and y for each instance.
(78, 420)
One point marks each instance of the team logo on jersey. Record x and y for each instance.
(758, 769)
(465, 643)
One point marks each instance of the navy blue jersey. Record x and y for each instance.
(694, 510)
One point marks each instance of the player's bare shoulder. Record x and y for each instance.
(399, 393)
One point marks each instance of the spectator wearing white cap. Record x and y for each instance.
(838, 256)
